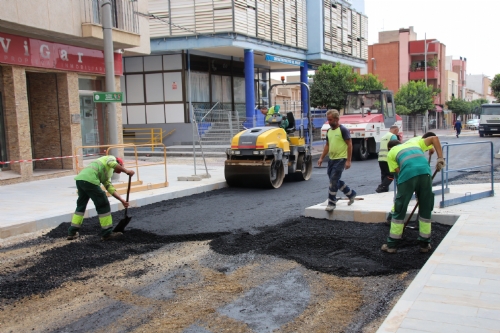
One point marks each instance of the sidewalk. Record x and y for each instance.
(32, 206)
(458, 289)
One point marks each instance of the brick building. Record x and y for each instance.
(49, 68)
(399, 57)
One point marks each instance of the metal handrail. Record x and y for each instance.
(446, 171)
(146, 135)
(213, 107)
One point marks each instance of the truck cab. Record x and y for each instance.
(368, 115)
(489, 121)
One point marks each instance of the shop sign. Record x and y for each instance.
(108, 97)
(24, 51)
(283, 60)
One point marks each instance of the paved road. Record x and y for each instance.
(231, 209)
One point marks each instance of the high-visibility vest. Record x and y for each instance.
(384, 141)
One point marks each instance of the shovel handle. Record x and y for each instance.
(128, 192)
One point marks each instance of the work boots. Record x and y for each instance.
(388, 249)
(425, 248)
(330, 208)
(111, 236)
(381, 189)
(72, 237)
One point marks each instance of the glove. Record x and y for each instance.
(440, 163)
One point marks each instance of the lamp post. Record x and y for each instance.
(426, 45)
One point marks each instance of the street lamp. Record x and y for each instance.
(426, 45)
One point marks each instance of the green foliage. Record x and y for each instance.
(413, 66)
(495, 87)
(414, 98)
(432, 63)
(402, 110)
(464, 107)
(459, 106)
(368, 82)
(476, 105)
(331, 83)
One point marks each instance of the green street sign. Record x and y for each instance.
(108, 97)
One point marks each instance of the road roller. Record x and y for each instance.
(264, 156)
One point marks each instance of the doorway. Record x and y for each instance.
(93, 123)
(45, 119)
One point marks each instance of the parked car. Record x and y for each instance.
(472, 124)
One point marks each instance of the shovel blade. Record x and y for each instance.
(120, 227)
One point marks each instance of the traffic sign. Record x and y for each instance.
(108, 97)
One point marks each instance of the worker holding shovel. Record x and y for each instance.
(414, 175)
(88, 183)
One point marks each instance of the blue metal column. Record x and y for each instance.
(249, 88)
(303, 97)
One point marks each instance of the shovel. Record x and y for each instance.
(414, 208)
(120, 227)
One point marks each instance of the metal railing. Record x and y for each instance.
(151, 136)
(137, 185)
(468, 196)
(123, 14)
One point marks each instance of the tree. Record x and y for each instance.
(330, 85)
(495, 87)
(414, 98)
(459, 106)
(368, 82)
(476, 105)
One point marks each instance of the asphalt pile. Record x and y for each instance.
(345, 249)
(59, 264)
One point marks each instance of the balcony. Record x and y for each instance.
(432, 73)
(124, 18)
(417, 47)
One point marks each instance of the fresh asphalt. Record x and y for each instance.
(248, 209)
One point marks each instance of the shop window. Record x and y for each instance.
(200, 90)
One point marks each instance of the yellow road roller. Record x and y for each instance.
(264, 156)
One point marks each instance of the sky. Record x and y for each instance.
(468, 28)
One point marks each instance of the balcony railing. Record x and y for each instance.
(123, 14)
(432, 73)
(277, 21)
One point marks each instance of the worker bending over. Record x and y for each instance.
(385, 175)
(88, 183)
(414, 175)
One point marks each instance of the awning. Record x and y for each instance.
(438, 108)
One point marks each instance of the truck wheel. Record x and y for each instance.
(481, 134)
(360, 152)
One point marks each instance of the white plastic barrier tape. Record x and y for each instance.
(44, 159)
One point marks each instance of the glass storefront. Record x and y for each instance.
(92, 117)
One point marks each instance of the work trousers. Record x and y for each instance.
(386, 177)
(335, 169)
(422, 186)
(87, 191)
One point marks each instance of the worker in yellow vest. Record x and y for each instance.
(339, 149)
(385, 175)
(88, 183)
